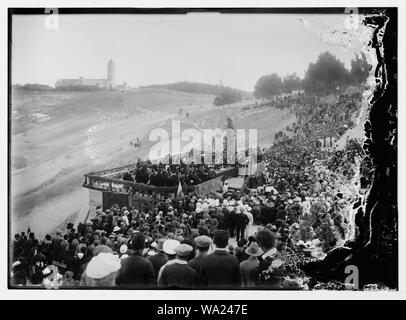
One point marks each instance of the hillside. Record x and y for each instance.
(57, 137)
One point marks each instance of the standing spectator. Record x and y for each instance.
(56, 245)
(232, 221)
(136, 271)
(225, 187)
(28, 246)
(179, 274)
(220, 269)
(159, 259)
(17, 247)
(203, 244)
(267, 242)
(248, 266)
(169, 249)
(241, 221)
(240, 250)
(102, 270)
(248, 229)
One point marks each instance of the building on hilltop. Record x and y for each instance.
(111, 74)
(106, 84)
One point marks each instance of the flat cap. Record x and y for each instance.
(183, 250)
(203, 241)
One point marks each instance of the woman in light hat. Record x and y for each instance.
(248, 266)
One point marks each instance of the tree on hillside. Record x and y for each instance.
(327, 75)
(227, 96)
(291, 83)
(268, 86)
(359, 69)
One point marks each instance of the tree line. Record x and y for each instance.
(327, 75)
(195, 87)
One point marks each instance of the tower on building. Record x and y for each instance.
(111, 74)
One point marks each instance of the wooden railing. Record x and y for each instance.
(96, 181)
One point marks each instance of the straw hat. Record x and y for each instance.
(254, 250)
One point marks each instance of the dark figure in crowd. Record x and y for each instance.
(203, 245)
(136, 271)
(127, 177)
(17, 247)
(267, 242)
(159, 259)
(56, 246)
(241, 221)
(231, 222)
(220, 269)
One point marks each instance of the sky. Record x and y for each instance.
(151, 49)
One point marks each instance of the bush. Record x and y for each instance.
(268, 86)
(227, 96)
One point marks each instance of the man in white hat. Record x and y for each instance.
(169, 248)
(101, 271)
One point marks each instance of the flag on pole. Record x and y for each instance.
(179, 194)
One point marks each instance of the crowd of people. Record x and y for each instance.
(167, 248)
(170, 174)
(294, 212)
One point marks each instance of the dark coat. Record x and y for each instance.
(220, 270)
(136, 272)
(241, 220)
(178, 276)
(56, 248)
(158, 261)
(196, 263)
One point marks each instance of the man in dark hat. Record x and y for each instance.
(136, 271)
(178, 274)
(159, 259)
(203, 245)
(220, 269)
